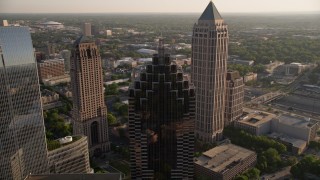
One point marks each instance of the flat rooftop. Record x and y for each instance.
(223, 157)
(255, 118)
(295, 142)
(296, 121)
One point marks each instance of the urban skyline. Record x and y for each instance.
(125, 6)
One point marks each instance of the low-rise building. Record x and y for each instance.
(241, 62)
(51, 68)
(296, 146)
(296, 127)
(224, 162)
(57, 80)
(255, 122)
(69, 155)
(49, 96)
(250, 77)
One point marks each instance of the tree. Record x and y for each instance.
(313, 78)
(112, 89)
(111, 119)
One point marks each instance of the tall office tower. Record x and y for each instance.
(209, 69)
(23, 148)
(89, 110)
(161, 121)
(86, 29)
(234, 97)
(66, 54)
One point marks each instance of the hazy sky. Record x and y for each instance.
(111, 6)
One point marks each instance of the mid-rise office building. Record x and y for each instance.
(89, 110)
(224, 162)
(161, 121)
(23, 146)
(86, 29)
(209, 68)
(66, 55)
(234, 97)
(69, 155)
(51, 68)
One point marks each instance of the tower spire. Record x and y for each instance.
(210, 13)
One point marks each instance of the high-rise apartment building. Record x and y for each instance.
(209, 69)
(86, 29)
(161, 121)
(234, 97)
(89, 110)
(23, 146)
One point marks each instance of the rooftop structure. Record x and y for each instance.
(224, 161)
(255, 122)
(297, 146)
(52, 25)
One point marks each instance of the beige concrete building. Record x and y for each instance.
(224, 162)
(89, 110)
(250, 77)
(57, 80)
(70, 155)
(255, 122)
(49, 96)
(209, 68)
(50, 68)
(296, 127)
(86, 30)
(234, 97)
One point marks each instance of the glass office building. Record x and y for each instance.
(22, 134)
(161, 121)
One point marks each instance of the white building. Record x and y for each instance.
(52, 25)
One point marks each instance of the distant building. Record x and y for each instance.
(52, 25)
(89, 111)
(234, 97)
(224, 162)
(250, 77)
(209, 69)
(51, 68)
(86, 29)
(56, 80)
(49, 96)
(95, 29)
(296, 127)
(66, 55)
(108, 32)
(51, 49)
(242, 62)
(65, 91)
(69, 155)
(161, 121)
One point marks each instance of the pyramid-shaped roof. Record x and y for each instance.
(210, 13)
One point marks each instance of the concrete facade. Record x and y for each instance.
(234, 97)
(209, 68)
(89, 110)
(51, 68)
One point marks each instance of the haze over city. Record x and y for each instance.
(172, 6)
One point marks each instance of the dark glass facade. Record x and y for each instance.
(22, 135)
(161, 122)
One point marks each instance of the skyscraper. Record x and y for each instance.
(89, 110)
(209, 68)
(161, 121)
(23, 148)
(86, 29)
(234, 97)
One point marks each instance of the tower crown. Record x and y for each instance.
(210, 13)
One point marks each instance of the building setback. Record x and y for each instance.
(234, 97)
(161, 121)
(209, 68)
(23, 146)
(89, 110)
